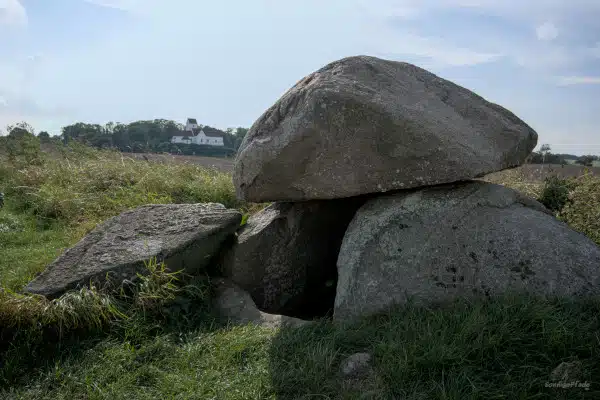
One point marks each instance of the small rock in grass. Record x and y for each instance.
(356, 364)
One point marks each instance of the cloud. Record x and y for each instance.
(14, 104)
(18, 75)
(392, 30)
(12, 13)
(386, 9)
(527, 10)
(531, 10)
(438, 53)
(546, 57)
(549, 51)
(434, 34)
(579, 80)
(546, 31)
(11, 78)
(595, 51)
(18, 95)
(123, 5)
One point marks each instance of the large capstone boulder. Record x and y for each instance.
(285, 256)
(364, 125)
(184, 236)
(454, 241)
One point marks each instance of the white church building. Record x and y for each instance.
(196, 135)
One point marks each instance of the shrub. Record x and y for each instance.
(555, 194)
(582, 212)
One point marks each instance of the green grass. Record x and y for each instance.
(582, 212)
(26, 248)
(54, 201)
(504, 349)
(159, 339)
(90, 185)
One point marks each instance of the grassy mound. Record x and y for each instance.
(158, 339)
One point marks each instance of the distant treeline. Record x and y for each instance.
(545, 156)
(152, 136)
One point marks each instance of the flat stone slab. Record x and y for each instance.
(184, 236)
(235, 305)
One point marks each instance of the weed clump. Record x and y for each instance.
(582, 211)
(29, 323)
(555, 194)
(93, 307)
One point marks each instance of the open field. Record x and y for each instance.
(532, 172)
(538, 172)
(218, 163)
(90, 345)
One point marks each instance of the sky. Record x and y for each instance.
(225, 62)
